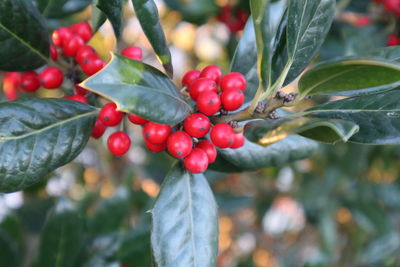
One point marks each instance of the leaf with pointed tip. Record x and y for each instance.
(61, 236)
(185, 221)
(378, 116)
(113, 11)
(39, 135)
(141, 89)
(308, 23)
(324, 130)
(147, 13)
(253, 157)
(359, 76)
(110, 213)
(24, 39)
(61, 8)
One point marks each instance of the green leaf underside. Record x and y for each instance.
(61, 8)
(113, 10)
(23, 36)
(366, 75)
(39, 135)
(378, 116)
(140, 89)
(61, 236)
(308, 23)
(324, 130)
(252, 157)
(245, 60)
(147, 13)
(101, 222)
(185, 222)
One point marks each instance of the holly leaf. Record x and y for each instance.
(356, 75)
(61, 8)
(252, 157)
(39, 135)
(147, 13)
(377, 116)
(185, 221)
(113, 11)
(324, 130)
(61, 236)
(197, 12)
(141, 89)
(24, 39)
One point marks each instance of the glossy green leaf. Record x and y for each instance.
(308, 23)
(185, 222)
(390, 53)
(39, 135)
(366, 75)
(245, 60)
(262, 28)
(253, 157)
(61, 8)
(113, 11)
(110, 213)
(147, 13)
(324, 130)
(141, 89)
(135, 248)
(61, 236)
(194, 11)
(9, 253)
(11, 225)
(24, 40)
(377, 115)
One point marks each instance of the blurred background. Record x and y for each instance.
(339, 208)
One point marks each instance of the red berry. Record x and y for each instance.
(109, 115)
(92, 64)
(79, 98)
(232, 99)
(179, 144)
(392, 40)
(135, 119)
(98, 129)
(239, 141)
(363, 21)
(71, 47)
(118, 143)
(197, 161)
(393, 6)
(156, 133)
(190, 77)
(53, 53)
(11, 83)
(202, 85)
(210, 150)
(61, 36)
(222, 135)
(155, 148)
(80, 90)
(233, 80)
(82, 29)
(83, 52)
(51, 77)
(197, 125)
(132, 52)
(208, 103)
(211, 72)
(30, 81)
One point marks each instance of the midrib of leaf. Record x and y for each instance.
(60, 256)
(2, 139)
(23, 42)
(301, 22)
(347, 111)
(191, 219)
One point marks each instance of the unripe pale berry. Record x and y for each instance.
(109, 115)
(197, 125)
(179, 144)
(196, 161)
(222, 135)
(118, 143)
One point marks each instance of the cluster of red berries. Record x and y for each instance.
(234, 19)
(188, 141)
